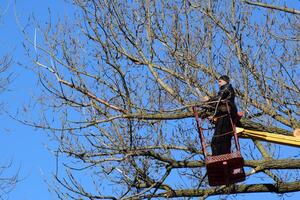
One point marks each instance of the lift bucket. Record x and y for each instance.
(225, 169)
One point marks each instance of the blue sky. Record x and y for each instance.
(24, 145)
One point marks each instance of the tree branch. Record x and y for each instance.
(284, 9)
(236, 189)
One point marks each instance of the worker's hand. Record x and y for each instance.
(206, 98)
(212, 119)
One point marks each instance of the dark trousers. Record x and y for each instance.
(221, 141)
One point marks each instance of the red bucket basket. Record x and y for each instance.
(225, 169)
(222, 169)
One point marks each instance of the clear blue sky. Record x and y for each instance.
(25, 146)
(28, 147)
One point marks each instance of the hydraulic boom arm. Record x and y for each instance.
(269, 137)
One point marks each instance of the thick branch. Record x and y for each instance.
(274, 164)
(263, 164)
(236, 189)
(247, 124)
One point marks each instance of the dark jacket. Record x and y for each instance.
(226, 92)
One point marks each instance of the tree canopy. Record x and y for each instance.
(119, 79)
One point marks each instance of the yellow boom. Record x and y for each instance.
(269, 137)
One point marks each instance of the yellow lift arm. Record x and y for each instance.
(269, 137)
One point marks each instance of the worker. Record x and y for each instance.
(223, 102)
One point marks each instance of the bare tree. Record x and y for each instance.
(119, 79)
(8, 177)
